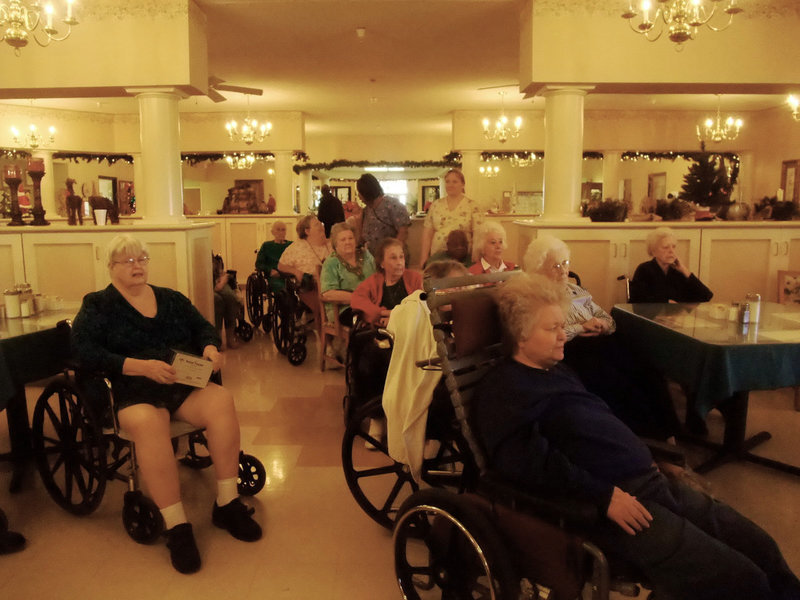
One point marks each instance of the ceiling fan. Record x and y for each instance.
(217, 85)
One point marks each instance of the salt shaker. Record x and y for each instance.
(754, 300)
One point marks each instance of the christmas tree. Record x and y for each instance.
(707, 183)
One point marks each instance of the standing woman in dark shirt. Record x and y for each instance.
(379, 293)
(666, 278)
(128, 331)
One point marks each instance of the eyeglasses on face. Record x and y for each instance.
(141, 261)
(562, 266)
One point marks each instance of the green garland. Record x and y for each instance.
(193, 158)
(527, 154)
(13, 153)
(448, 161)
(110, 158)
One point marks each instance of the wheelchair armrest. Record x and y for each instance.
(556, 509)
(663, 452)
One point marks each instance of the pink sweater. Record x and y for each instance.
(367, 296)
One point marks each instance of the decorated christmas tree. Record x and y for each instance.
(707, 183)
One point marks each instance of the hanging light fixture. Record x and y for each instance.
(489, 170)
(33, 139)
(19, 22)
(716, 130)
(250, 130)
(523, 159)
(239, 160)
(502, 129)
(681, 19)
(794, 104)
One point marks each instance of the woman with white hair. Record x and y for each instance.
(636, 393)
(487, 249)
(129, 331)
(665, 278)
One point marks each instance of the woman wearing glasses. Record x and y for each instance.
(128, 331)
(635, 392)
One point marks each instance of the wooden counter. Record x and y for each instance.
(730, 257)
(70, 261)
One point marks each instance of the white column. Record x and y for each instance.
(306, 189)
(470, 163)
(138, 179)
(48, 183)
(563, 152)
(284, 184)
(159, 194)
(611, 182)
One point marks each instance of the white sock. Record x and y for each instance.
(173, 515)
(227, 491)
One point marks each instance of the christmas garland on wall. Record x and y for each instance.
(447, 161)
(110, 158)
(531, 155)
(14, 154)
(193, 158)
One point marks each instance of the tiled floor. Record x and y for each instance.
(317, 542)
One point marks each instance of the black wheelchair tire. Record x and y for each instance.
(252, 475)
(462, 553)
(70, 448)
(192, 459)
(141, 518)
(254, 299)
(244, 330)
(297, 354)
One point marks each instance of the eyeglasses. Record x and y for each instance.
(562, 266)
(141, 261)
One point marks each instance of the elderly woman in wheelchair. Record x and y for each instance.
(543, 432)
(128, 331)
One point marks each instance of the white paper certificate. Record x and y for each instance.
(190, 369)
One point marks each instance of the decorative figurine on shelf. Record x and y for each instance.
(36, 172)
(13, 179)
(104, 203)
(74, 204)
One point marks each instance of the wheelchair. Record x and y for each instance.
(289, 321)
(379, 484)
(242, 328)
(260, 300)
(492, 541)
(78, 447)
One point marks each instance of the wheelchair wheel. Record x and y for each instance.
(282, 323)
(69, 447)
(297, 353)
(378, 483)
(244, 330)
(141, 517)
(252, 475)
(446, 548)
(266, 320)
(254, 299)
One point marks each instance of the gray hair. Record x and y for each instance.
(520, 300)
(443, 268)
(339, 228)
(481, 233)
(124, 244)
(274, 225)
(654, 238)
(538, 251)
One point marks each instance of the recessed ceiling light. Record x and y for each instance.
(361, 32)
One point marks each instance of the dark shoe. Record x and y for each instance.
(237, 518)
(183, 549)
(11, 541)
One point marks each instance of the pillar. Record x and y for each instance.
(307, 189)
(470, 163)
(284, 184)
(159, 190)
(48, 183)
(563, 152)
(611, 182)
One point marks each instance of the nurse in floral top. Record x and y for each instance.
(453, 211)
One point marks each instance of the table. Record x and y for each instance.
(719, 361)
(31, 348)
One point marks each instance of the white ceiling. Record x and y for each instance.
(418, 61)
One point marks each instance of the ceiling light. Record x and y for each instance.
(681, 19)
(489, 171)
(794, 103)
(17, 21)
(250, 130)
(33, 139)
(361, 32)
(237, 160)
(502, 129)
(716, 130)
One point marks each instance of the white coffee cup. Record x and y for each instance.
(100, 215)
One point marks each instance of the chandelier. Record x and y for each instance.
(33, 139)
(681, 19)
(502, 128)
(18, 21)
(489, 171)
(716, 131)
(794, 104)
(524, 159)
(250, 130)
(238, 160)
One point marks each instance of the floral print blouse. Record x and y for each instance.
(443, 220)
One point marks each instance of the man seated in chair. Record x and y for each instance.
(544, 432)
